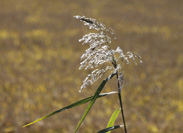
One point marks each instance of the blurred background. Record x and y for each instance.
(40, 56)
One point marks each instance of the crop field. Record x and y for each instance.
(40, 59)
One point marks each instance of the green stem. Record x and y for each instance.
(121, 104)
(123, 116)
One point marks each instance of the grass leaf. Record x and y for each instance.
(109, 129)
(96, 95)
(113, 118)
(68, 107)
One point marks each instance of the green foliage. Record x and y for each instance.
(109, 129)
(96, 95)
(110, 125)
(113, 118)
(70, 106)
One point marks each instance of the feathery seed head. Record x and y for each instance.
(100, 51)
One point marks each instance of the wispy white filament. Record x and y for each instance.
(100, 52)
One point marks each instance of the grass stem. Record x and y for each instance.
(121, 104)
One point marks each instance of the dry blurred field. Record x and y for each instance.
(39, 60)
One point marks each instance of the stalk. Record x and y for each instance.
(114, 63)
(121, 104)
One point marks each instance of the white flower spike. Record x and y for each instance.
(100, 51)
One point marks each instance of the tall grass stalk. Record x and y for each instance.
(99, 52)
(102, 59)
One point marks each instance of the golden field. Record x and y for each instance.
(40, 56)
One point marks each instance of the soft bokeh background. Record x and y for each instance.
(39, 60)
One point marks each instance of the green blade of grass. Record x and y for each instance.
(68, 107)
(113, 118)
(109, 129)
(96, 95)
